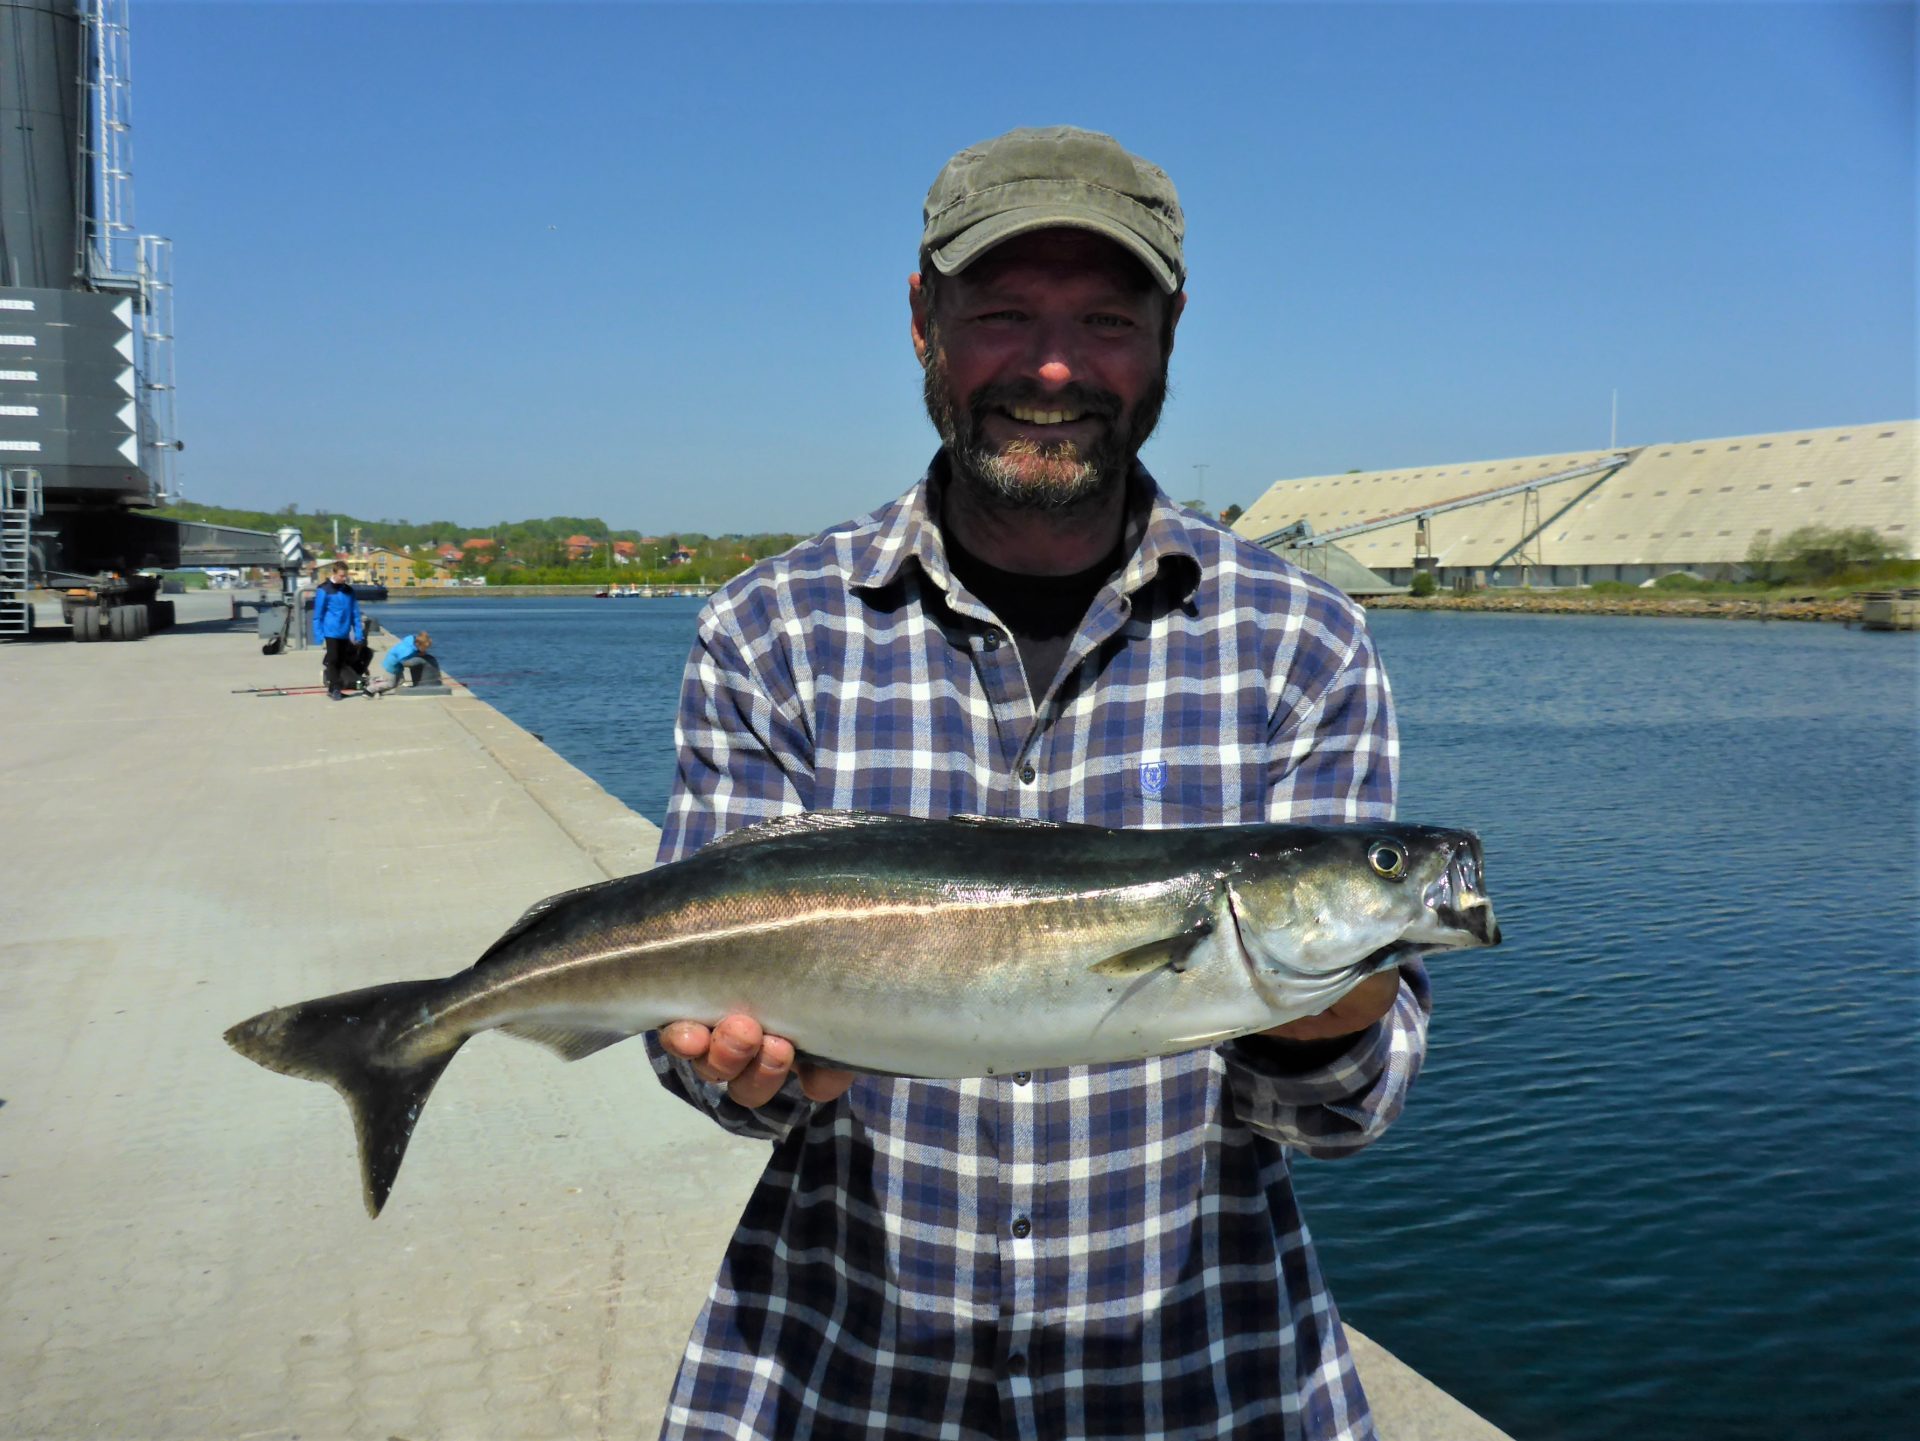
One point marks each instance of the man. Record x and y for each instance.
(337, 622)
(1034, 630)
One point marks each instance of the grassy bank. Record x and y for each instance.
(1832, 597)
(1842, 606)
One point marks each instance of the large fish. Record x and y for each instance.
(948, 948)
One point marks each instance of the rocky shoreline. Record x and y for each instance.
(1844, 609)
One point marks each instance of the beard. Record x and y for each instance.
(1026, 475)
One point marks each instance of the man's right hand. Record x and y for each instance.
(751, 1064)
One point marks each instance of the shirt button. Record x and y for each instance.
(992, 642)
(1017, 1364)
(1022, 1228)
(1020, 1078)
(1026, 773)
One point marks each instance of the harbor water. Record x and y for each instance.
(1658, 1177)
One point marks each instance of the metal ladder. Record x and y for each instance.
(20, 503)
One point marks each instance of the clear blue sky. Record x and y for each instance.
(482, 262)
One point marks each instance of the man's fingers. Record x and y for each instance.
(752, 1065)
(685, 1039)
(823, 1083)
(734, 1047)
(763, 1077)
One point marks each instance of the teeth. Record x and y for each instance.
(1043, 417)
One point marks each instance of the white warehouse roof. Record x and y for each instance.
(1681, 503)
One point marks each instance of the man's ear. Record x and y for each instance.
(1173, 324)
(917, 310)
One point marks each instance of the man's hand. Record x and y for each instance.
(751, 1064)
(1352, 1013)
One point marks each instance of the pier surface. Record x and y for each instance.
(183, 1252)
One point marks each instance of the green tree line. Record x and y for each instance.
(525, 552)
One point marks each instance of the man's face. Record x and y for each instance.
(1046, 366)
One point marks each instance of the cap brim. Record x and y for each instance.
(969, 245)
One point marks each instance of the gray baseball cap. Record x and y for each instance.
(1058, 175)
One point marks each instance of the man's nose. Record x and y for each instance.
(1056, 356)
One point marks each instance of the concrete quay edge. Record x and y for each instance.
(182, 1249)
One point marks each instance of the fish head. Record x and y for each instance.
(1317, 915)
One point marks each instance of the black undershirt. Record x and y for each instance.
(1040, 611)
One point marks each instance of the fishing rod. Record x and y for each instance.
(270, 692)
(490, 676)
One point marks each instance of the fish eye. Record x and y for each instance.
(1387, 859)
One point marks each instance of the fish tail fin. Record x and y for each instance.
(344, 1040)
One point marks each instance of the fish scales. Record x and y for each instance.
(948, 948)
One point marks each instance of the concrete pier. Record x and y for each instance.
(183, 1252)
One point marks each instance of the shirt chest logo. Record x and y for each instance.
(1153, 778)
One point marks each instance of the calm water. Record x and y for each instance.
(1660, 1176)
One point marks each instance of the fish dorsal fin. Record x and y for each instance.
(1016, 823)
(532, 914)
(806, 823)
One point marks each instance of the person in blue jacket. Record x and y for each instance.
(338, 622)
(410, 652)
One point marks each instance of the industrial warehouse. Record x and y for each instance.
(1632, 515)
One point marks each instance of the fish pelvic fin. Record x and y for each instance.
(569, 1043)
(343, 1040)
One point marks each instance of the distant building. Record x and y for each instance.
(483, 544)
(680, 555)
(623, 552)
(371, 565)
(381, 565)
(1584, 516)
(579, 547)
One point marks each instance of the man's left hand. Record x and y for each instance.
(1352, 1013)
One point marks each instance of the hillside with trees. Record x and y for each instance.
(552, 550)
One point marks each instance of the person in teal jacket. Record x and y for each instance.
(338, 623)
(411, 653)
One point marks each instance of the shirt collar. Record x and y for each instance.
(1157, 539)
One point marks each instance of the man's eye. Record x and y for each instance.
(1113, 322)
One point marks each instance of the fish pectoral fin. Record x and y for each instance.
(569, 1043)
(1170, 952)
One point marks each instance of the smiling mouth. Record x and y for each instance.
(1029, 415)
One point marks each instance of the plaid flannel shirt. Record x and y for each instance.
(1105, 1251)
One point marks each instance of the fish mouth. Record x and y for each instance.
(1393, 954)
(1456, 899)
